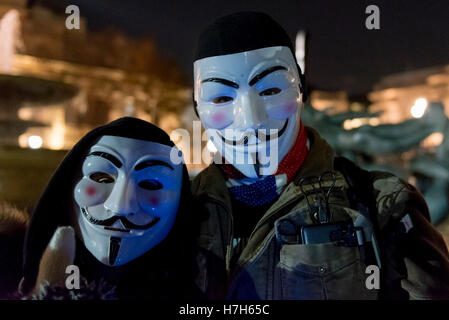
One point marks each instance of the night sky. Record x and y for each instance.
(343, 54)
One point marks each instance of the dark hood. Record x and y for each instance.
(56, 203)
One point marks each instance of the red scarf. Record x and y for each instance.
(256, 193)
(289, 165)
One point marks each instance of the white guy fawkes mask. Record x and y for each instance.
(127, 199)
(250, 104)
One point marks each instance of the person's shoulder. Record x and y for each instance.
(386, 182)
(13, 221)
(395, 197)
(207, 179)
(13, 224)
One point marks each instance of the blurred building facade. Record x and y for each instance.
(114, 76)
(395, 95)
(335, 101)
(57, 84)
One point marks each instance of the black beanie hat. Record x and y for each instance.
(240, 32)
(244, 31)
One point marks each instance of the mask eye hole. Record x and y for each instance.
(270, 92)
(101, 177)
(222, 99)
(150, 184)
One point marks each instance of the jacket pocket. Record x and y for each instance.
(322, 271)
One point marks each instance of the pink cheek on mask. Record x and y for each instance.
(154, 201)
(91, 191)
(283, 111)
(290, 108)
(218, 118)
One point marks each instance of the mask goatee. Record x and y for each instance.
(114, 246)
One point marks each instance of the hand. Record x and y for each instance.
(59, 254)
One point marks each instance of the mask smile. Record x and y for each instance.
(116, 229)
(259, 134)
(110, 221)
(127, 199)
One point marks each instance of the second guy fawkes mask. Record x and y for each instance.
(127, 199)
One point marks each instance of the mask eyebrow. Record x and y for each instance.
(222, 81)
(149, 163)
(116, 162)
(264, 73)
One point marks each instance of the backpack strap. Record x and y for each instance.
(361, 197)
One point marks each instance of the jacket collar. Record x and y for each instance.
(211, 183)
(320, 157)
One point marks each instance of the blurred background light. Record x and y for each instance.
(419, 108)
(34, 142)
(300, 49)
(358, 122)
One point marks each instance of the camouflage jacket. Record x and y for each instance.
(272, 265)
